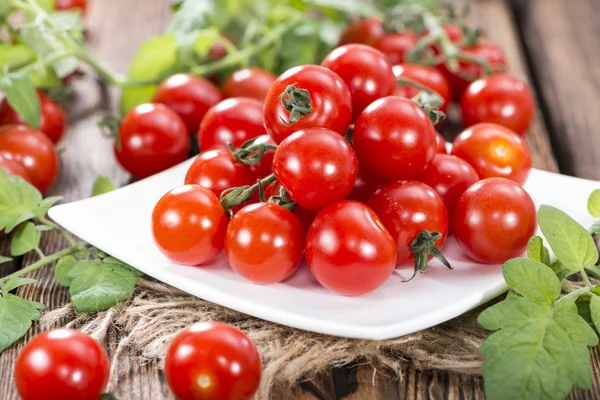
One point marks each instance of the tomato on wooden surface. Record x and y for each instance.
(211, 360)
(249, 82)
(33, 150)
(330, 102)
(394, 139)
(70, 5)
(365, 31)
(189, 224)
(189, 96)
(429, 77)
(316, 166)
(494, 151)
(493, 220)
(396, 45)
(441, 144)
(13, 168)
(62, 364)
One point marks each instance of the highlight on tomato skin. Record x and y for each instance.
(249, 82)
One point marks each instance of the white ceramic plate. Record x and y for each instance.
(119, 224)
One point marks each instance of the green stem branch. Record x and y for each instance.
(44, 261)
(62, 231)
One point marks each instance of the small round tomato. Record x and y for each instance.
(405, 209)
(364, 187)
(234, 121)
(441, 144)
(265, 166)
(33, 150)
(450, 176)
(151, 138)
(189, 96)
(70, 5)
(189, 224)
(305, 217)
(52, 117)
(494, 151)
(394, 139)
(62, 364)
(264, 243)
(13, 168)
(365, 70)
(501, 99)
(218, 170)
(330, 101)
(396, 45)
(218, 50)
(429, 77)
(316, 166)
(348, 250)
(249, 82)
(211, 360)
(493, 220)
(365, 31)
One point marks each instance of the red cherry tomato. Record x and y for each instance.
(264, 243)
(62, 364)
(494, 151)
(429, 77)
(366, 71)
(218, 51)
(364, 187)
(449, 176)
(405, 209)
(249, 82)
(329, 98)
(13, 168)
(365, 32)
(189, 96)
(210, 360)
(494, 220)
(394, 139)
(396, 45)
(152, 138)
(70, 5)
(441, 144)
(500, 99)
(218, 170)
(305, 217)
(265, 166)
(317, 167)
(188, 225)
(33, 150)
(234, 121)
(348, 250)
(52, 117)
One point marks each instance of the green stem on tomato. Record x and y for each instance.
(409, 82)
(239, 195)
(435, 29)
(43, 262)
(585, 278)
(101, 69)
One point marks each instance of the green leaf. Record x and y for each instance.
(6, 8)
(112, 260)
(13, 56)
(537, 251)
(18, 201)
(595, 311)
(351, 7)
(594, 203)
(46, 204)
(21, 95)
(560, 270)
(16, 315)
(570, 242)
(25, 239)
(4, 259)
(300, 46)
(14, 283)
(102, 185)
(595, 229)
(583, 309)
(531, 279)
(47, 5)
(62, 269)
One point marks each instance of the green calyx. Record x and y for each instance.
(422, 247)
(233, 197)
(249, 153)
(283, 199)
(296, 102)
(430, 103)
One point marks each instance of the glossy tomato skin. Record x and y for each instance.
(493, 220)
(265, 166)
(62, 364)
(211, 360)
(52, 117)
(189, 96)
(364, 187)
(500, 99)
(450, 176)
(234, 121)
(218, 170)
(365, 31)
(152, 138)
(396, 45)
(348, 250)
(69, 5)
(494, 151)
(365, 70)
(394, 139)
(440, 144)
(13, 168)
(264, 243)
(405, 209)
(189, 224)
(317, 167)
(330, 100)
(33, 150)
(249, 82)
(305, 217)
(429, 77)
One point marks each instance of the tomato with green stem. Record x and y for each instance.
(249, 82)
(305, 217)
(396, 45)
(365, 31)
(429, 77)
(265, 166)
(13, 168)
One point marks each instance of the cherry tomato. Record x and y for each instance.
(394, 139)
(453, 31)
(70, 5)
(365, 31)
(234, 121)
(429, 77)
(450, 176)
(189, 224)
(218, 51)
(249, 82)
(366, 71)
(52, 117)
(330, 101)
(211, 360)
(441, 144)
(494, 151)
(265, 166)
(316, 166)
(152, 138)
(33, 150)
(501, 99)
(396, 45)
(405, 209)
(264, 243)
(494, 220)
(305, 217)
(348, 250)
(364, 187)
(189, 96)
(13, 168)
(62, 364)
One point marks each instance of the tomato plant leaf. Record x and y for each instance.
(537, 251)
(595, 311)
(102, 185)
(16, 315)
(352, 7)
(45, 205)
(14, 283)
(594, 203)
(300, 46)
(13, 56)
(560, 270)
(112, 260)
(531, 279)
(21, 95)
(25, 239)
(62, 269)
(4, 259)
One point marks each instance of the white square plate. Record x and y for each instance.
(119, 224)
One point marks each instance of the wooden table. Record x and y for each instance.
(552, 43)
